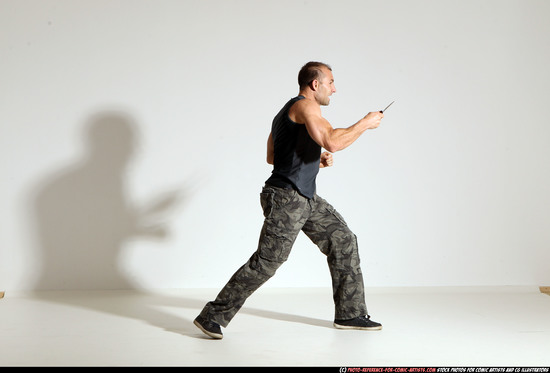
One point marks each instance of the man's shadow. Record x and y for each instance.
(84, 216)
(84, 220)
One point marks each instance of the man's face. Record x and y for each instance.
(326, 87)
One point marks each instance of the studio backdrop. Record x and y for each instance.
(133, 139)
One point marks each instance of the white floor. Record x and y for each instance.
(277, 327)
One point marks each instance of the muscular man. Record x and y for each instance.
(290, 205)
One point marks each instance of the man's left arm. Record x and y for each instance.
(270, 149)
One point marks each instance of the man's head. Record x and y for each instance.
(317, 77)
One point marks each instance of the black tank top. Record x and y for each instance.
(296, 155)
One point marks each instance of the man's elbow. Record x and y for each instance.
(330, 144)
(269, 159)
(332, 147)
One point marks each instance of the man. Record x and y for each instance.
(290, 205)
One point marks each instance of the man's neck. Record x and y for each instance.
(308, 94)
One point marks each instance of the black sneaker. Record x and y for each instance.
(359, 323)
(209, 328)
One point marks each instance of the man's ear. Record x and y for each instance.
(314, 85)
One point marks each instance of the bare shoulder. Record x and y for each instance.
(303, 109)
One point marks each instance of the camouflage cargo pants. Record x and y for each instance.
(286, 214)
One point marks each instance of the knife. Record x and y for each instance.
(382, 111)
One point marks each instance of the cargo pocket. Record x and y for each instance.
(266, 200)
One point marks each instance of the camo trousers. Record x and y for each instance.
(287, 213)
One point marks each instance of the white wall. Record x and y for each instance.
(120, 115)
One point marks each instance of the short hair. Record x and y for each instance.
(309, 72)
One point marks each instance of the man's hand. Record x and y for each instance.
(326, 160)
(372, 120)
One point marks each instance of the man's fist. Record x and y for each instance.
(373, 119)
(326, 160)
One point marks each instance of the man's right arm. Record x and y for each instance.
(333, 139)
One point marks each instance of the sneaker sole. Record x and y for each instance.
(346, 327)
(210, 334)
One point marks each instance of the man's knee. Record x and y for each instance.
(266, 264)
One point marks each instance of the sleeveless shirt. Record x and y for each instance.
(296, 155)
